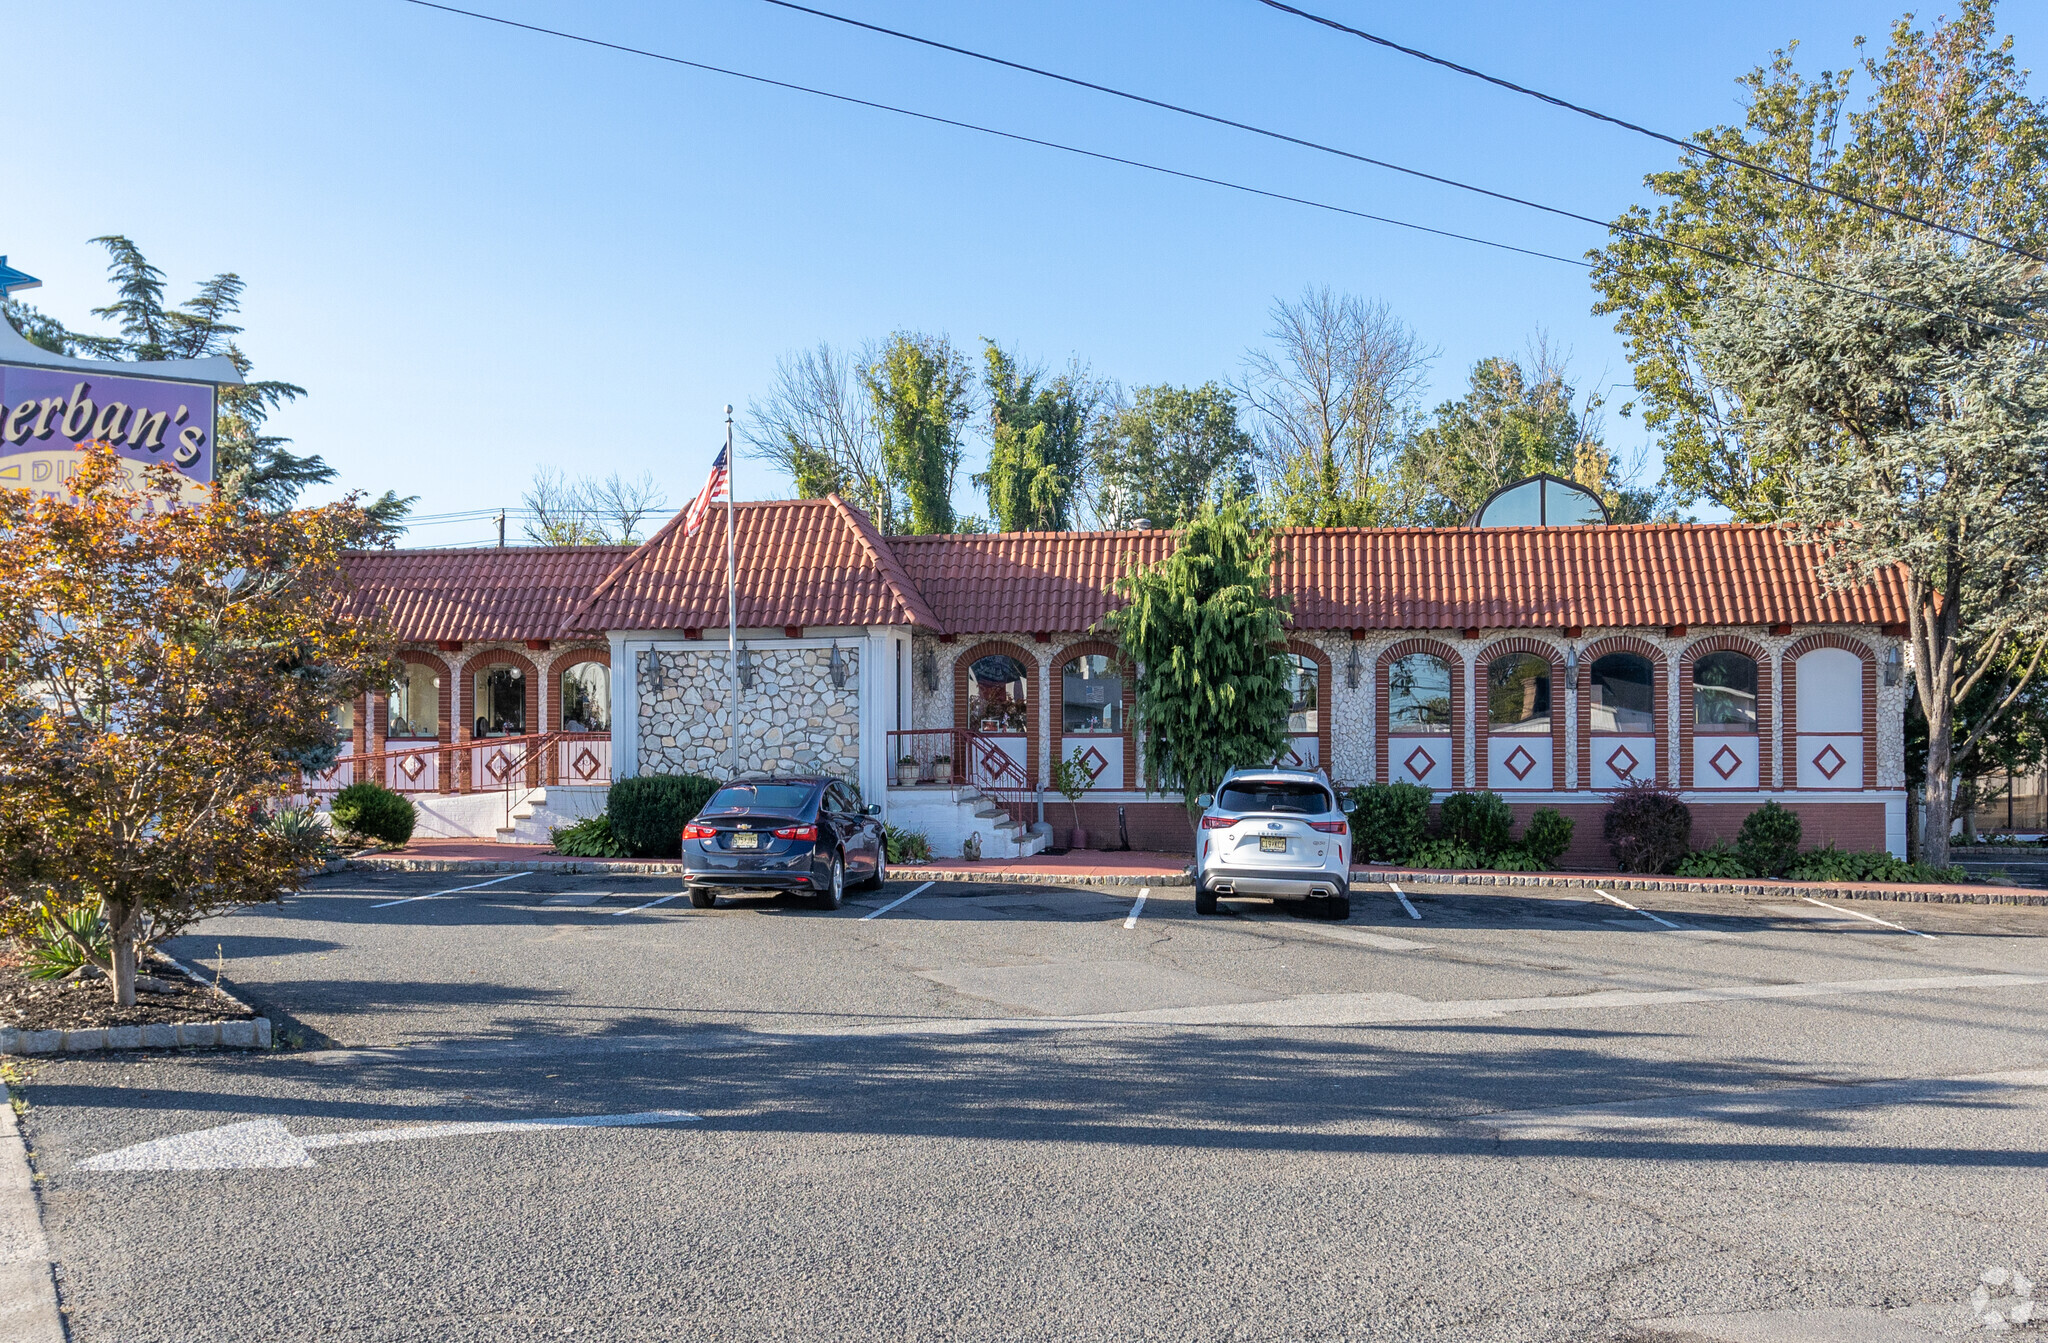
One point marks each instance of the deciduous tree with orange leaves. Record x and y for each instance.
(166, 671)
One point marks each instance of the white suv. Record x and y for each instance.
(1276, 833)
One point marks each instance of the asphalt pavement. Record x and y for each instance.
(548, 1106)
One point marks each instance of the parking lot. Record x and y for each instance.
(983, 1111)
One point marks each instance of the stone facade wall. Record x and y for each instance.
(792, 719)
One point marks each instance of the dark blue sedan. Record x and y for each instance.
(809, 835)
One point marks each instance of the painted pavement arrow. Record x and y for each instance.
(264, 1144)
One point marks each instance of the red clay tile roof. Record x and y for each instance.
(517, 592)
(1420, 578)
(800, 562)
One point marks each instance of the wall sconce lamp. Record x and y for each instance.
(746, 669)
(1892, 667)
(1571, 663)
(838, 668)
(928, 672)
(1351, 669)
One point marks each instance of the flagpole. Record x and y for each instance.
(732, 613)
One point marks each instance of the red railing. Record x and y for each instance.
(514, 766)
(973, 759)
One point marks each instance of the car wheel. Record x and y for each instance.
(703, 897)
(874, 883)
(1205, 900)
(835, 894)
(1337, 907)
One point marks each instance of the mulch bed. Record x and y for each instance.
(44, 1004)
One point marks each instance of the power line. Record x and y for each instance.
(1689, 145)
(1000, 134)
(1639, 234)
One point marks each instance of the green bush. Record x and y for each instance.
(908, 846)
(1517, 858)
(647, 813)
(1828, 863)
(1388, 821)
(372, 810)
(1769, 842)
(53, 953)
(591, 837)
(1544, 839)
(1718, 859)
(1648, 827)
(1482, 822)
(1445, 853)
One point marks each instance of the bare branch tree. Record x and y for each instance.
(618, 506)
(556, 512)
(817, 424)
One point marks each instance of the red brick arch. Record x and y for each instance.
(1325, 695)
(499, 657)
(1482, 721)
(1388, 657)
(1729, 643)
(1055, 677)
(1660, 695)
(1034, 676)
(601, 656)
(1791, 656)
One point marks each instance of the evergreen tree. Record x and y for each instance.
(918, 385)
(1205, 630)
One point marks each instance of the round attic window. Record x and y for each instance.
(1541, 501)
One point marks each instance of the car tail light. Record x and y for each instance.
(698, 832)
(1218, 822)
(797, 832)
(1331, 827)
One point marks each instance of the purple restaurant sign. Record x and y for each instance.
(48, 416)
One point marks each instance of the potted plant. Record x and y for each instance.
(942, 769)
(906, 771)
(1070, 779)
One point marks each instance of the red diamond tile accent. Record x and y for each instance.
(1422, 770)
(1725, 762)
(586, 764)
(1623, 762)
(500, 766)
(1829, 761)
(412, 766)
(1519, 763)
(1094, 761)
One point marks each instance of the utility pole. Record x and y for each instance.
(732, 611)
(501, 529)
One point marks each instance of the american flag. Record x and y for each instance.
(713, 491)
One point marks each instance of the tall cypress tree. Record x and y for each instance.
(1206, 630)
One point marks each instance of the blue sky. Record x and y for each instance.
(484, 251)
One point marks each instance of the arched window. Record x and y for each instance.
(1624, 693)
(996, 687)
(500, 702)
(1304, 695)
(1724, 693)
(1518, 693)
(343, 716)
(1419, 694)
(1091, 695)
(416, 703)
(587, 698)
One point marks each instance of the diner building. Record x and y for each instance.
(945, 675)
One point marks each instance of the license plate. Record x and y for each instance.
(745, 839)
(1272, 844)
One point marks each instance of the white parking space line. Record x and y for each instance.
(1132, 921)
(675, 895)
(1339, 933)
(1675, 927)
(452, 890)
(1871, 918)
(897, 901)
(1413, 913)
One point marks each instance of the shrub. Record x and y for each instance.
(1545, 838)
(591, 837)
(1388, 821)
(1648, 827)
(908, 846)
(301, 827)
(370, 809)
(647, 813)
(1769, 841)
(1517, 858)
(53, 953)
(1831, 864)
(1481, 821)
(1718, 859)
(1445, 853)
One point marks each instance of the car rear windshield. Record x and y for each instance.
(776, 797)
(1274, 795)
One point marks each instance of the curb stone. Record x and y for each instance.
(245, 1033)
(28, 1291)
(1937, 895)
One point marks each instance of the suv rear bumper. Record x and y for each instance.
(1272, 881)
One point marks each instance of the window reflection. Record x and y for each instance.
(1091, 696)
(1724, 693)
(1624, 693)
(1419, 694)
